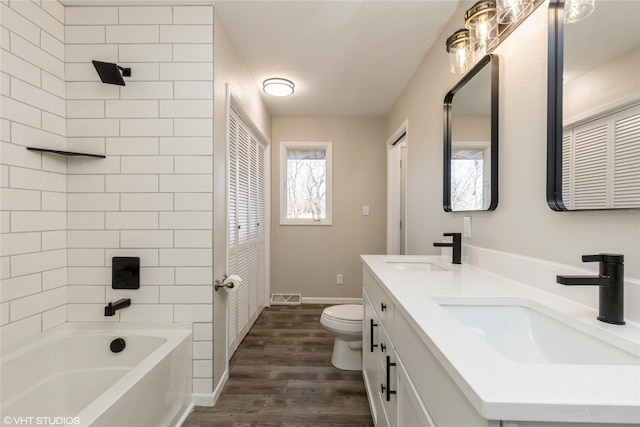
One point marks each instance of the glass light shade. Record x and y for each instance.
(513, 10)
(482, 22)
(278, 87)
(460, 51)
(577, 10)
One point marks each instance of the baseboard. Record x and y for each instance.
(203, 399)
(210, 399)
(320, 300)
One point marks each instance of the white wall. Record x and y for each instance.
(152, 195)
(610, 82)
(522, 222)
(228, 69)
(306, 259)
(33, 200)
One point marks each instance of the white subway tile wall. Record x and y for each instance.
(63, 220)
(151, 196)
(33, 244)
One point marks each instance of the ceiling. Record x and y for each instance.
(346, 58)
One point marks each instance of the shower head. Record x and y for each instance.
(110, 73)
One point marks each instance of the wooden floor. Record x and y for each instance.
(281, 375)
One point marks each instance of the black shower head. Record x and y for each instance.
(110, 73)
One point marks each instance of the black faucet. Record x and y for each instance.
(611, 282)
(456, 245)
(111, 309)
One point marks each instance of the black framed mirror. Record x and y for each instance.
(470, 181)
(593, 124)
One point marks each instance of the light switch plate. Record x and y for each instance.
(365, 210)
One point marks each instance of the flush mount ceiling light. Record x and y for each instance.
(577, 10)
(278, 87)
(110, 73)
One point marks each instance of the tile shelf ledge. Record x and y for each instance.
(66, 153)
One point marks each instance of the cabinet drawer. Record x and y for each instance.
(381, 302)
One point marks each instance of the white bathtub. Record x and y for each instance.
(69, 376)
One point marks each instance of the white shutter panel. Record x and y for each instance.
(246, 228)
(590, 174)
(567, 168)
(233, 228)
(626, 173)
(260, 191)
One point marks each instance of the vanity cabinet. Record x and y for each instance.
(405, 383)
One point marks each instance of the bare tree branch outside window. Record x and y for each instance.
(306, 188)
(467, 184)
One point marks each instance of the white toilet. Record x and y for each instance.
(345, 322)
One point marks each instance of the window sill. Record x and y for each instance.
(304, 222)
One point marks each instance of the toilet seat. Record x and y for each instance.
(346, 313)
(345, 318)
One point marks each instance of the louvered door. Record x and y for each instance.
(246, 228)
(626, 174)
(590, 165)
(601, 162)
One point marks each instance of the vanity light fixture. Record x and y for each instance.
(482, 22)
(110, 73)
(460, 51)
(577, 10)
(487, 24)
(511, 11)
(278, 87)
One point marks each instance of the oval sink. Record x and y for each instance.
(415, 266)
(524, 334)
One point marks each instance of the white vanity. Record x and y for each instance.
(458, 346)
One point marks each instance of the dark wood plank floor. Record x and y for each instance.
(281, 375)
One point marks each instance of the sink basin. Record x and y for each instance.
(415, 266)
(525, 334)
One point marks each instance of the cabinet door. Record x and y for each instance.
(411, 411)
(370, 359)
(387, 377)
(444, 400)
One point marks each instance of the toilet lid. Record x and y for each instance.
(345, 312)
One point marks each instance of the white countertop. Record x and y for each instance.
(498, 387)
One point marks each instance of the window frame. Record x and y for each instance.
(285, 147)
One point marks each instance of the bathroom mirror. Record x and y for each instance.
(470, 181)
(593, 134)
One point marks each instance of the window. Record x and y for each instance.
(468, 179)
(305, 182)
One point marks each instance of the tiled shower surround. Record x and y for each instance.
(150, 197)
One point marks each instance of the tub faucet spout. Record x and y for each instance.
(112, 307)
(610, 281)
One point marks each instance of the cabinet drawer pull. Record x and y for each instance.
(383, 306)
(373, 325)
(389, 391)
(383, 347)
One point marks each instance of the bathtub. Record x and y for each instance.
(68, 376)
